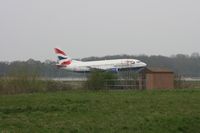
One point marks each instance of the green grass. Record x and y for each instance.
(165, 111)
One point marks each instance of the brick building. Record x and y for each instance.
(157, 78)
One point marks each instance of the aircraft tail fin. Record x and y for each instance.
(63, 59)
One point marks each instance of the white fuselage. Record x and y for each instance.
(106, 65)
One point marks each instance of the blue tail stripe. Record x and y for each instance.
(61, 58)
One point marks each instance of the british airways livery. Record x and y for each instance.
(115, 65)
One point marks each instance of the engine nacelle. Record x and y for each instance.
(114, 70)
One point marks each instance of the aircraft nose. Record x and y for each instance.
(144, 64)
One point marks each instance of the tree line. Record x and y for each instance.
(181, 64)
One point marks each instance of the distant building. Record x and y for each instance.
(157, 78)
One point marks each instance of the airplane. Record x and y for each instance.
(115, 65)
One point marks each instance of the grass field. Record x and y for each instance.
(157, 111)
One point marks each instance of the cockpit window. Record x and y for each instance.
(130, 62)
(138, 61)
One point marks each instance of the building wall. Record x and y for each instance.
(149, 81)
(159, 80)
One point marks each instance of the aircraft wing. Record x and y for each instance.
(103, 68)
(97, 68)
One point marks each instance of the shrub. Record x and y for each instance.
(98, 80)
(21, 80)
(57, 86)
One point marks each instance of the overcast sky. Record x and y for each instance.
(32, 28)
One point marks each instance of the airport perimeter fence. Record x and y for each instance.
(125, 84)
(186, 84)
